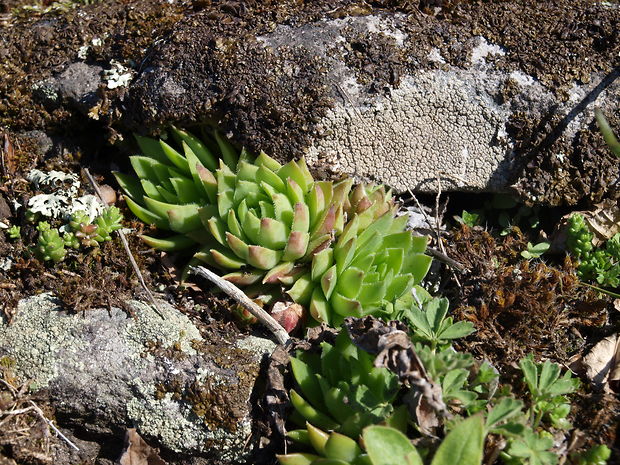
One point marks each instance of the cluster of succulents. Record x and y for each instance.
(341, 390)
(595, 264)
(337, 250)
(51, 246)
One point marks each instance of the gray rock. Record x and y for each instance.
(371, 96)
(78, 84)
(105, 371)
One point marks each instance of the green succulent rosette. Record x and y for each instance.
(250, 217)
(339, 251)
(372, 263)
(341, 390)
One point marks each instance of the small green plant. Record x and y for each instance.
(535, 250)
(470, 219)
(341, 390)
(337, 250)
(49, 246)
(595, 264)
(596, 455)
(14, 232)
(530, 448)
(548, 392)
(431, 324)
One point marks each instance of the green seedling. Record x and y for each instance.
(49, 246)
(431, 324)
(595, 264)
(14, 232)
(535, 250)
(530, 448)
(547, 391)
(596, 455)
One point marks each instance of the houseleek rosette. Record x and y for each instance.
(252, 218)
(372, 263)
(339, 251)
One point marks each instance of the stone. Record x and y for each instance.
(105, 370)
(459, 100)
(78, 84)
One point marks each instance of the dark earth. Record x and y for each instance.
(547, 312)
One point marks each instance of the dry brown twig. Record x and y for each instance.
(132, 260)
(233, 291)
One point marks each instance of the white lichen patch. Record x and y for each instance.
(48, 181)
(438, 125)
(59, 199)
(483, 50)
(118, 75)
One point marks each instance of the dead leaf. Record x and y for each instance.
(395, 351)
(8, 156)
(138, 452)
(602, 364)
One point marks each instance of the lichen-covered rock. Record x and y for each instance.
(105, 370)
(480, 95)
(405, 98)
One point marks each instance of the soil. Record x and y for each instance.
(517, 306)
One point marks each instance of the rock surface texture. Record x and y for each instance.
(477, 95)
(105, 371)
(398, 97)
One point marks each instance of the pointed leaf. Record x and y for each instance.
(175, 157)
(328, 281)
(262, 257)
(229, 154)
(151, 148)
(146, 215)
(239, 247)
(199, 149)
(226, 260)
(169, 244)
(130, 185)
(301, 292)
(296, 246)
(319, 307)
(273, 234)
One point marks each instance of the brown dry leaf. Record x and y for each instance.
(602, 364)
(8, 156)
(138, 452)
(395, 351)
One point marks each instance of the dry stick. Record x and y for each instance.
(132, 260)
(51, 425)
(438, 231)
(449, 261)
(233, 291)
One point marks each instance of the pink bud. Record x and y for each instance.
(288, 314)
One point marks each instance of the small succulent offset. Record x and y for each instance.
(339, 251)
(14, 232)
(341, 390)
(49, 246)
(91, 234)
